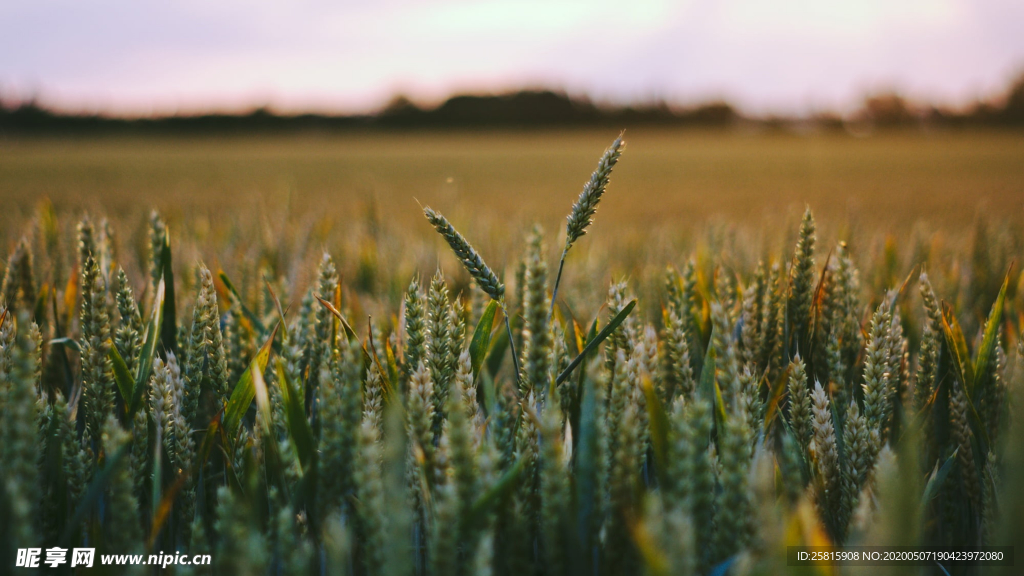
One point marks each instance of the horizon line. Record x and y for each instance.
(247, 105)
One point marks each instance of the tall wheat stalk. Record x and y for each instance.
(477, 268)
(582, 214)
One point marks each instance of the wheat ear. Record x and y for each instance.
(477, 268)
(585, 207)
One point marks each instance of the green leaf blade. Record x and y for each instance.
(482, 337)
(597, 340)
(986, 353)
(659, 429)
(168, 325)
(149, 347)
(295, 415)
(245, 389)
(124, 380)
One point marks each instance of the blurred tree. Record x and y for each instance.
(1013, 110)
(889, 110)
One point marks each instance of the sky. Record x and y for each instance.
(137, 57)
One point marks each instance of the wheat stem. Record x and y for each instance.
(511, 340)
(558, 280)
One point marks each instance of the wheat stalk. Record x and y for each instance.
(595, 474)
(583, 210)
(477, 268)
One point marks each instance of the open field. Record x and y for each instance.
(672, 178)
(676, 189)
(292, 366)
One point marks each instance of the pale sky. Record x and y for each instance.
(783, 56)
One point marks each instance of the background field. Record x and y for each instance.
(740, 193)
(338, 216)
(670, 178)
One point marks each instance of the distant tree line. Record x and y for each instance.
(891, 109)
(522, 109)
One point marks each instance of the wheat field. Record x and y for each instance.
(686, 176)
(476, 353)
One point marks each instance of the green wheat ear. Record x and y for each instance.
(583, 210)
(477, 268)
(586, 205)
(474, 264)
